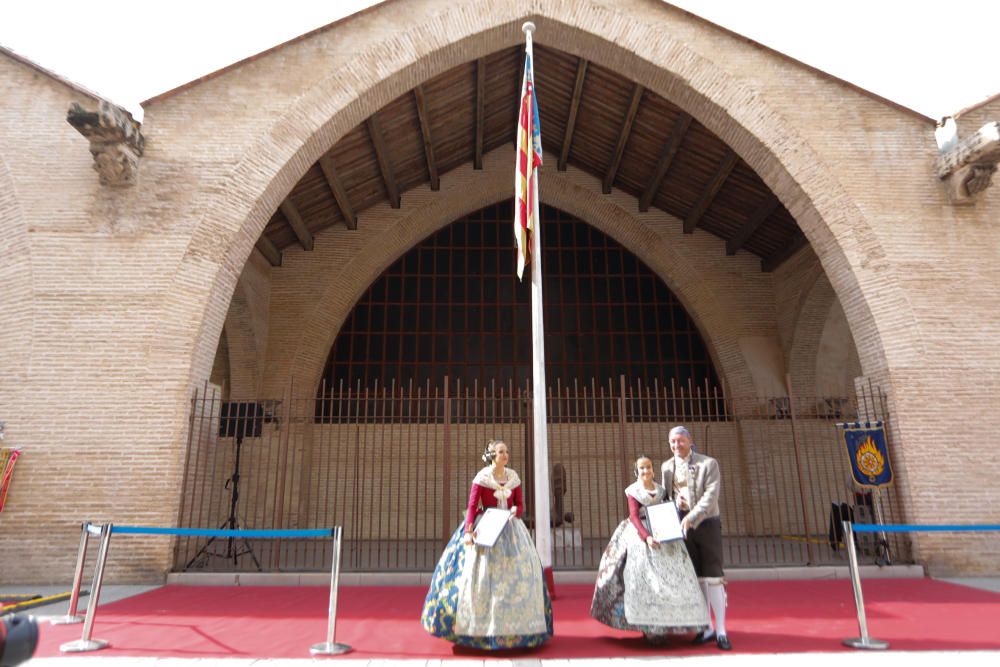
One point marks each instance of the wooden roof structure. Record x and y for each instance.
(592, 118)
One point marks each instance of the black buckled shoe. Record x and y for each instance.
(722, 641)
(703, 637)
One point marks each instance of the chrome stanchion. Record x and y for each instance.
(86, 530)
(882, 554)
(864, 641)
(330, 647)
(85, 643)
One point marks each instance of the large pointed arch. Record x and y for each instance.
(625, 38)
(575, 193)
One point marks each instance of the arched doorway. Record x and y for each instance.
(295, 152)
(428, 366)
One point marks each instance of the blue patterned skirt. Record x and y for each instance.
(489, 598)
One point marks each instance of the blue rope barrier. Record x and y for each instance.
(907, 528)
(220, 532)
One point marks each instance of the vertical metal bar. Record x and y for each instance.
(318, 515)
(86, 643)
(883, 541)
(427, 456)
(697, 408)
(652, 428)
(286, 448)
(338, 476)
(864, 641)
(571, 455)
(359, 401)
(608, 486)
(187, 496)
(81, 557)
(407, 417)
(375, 536)
(774, 428)
(384, 538)
(217, 487)
(562, 395)
(584, 515)
(623, 454)
(685, 405)
(749, 514)
(446, 476)
(330, 647)
(798, 466)
(633, 415)
(368, 438)
(767, 519)
(196, 496)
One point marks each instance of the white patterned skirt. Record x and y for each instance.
(653, 591)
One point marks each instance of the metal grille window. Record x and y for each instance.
(453, 307)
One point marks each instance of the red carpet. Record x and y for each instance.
(764, 617)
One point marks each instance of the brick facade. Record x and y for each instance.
(114, 300)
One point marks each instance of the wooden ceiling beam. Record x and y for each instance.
(779, 257)
(339, 193)
(708, 194)
(297, 224)
(626, 130)
(574, 108)
(752, 224)
(477, 160)
(677, 133)
(269, 250)
(382, 155)
(425, 131)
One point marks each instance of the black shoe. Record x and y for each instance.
(656, 640)
(703, 637)
(722, 641)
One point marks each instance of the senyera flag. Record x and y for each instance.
(529, 158)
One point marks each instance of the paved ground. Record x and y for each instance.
(855, 659)
(874, 659)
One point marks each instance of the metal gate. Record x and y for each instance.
(392, 465)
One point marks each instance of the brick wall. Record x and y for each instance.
(126, 292)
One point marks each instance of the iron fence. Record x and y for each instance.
(393, 464)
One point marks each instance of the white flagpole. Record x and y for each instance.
(543, 531)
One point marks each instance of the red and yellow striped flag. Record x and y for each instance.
(529, 143)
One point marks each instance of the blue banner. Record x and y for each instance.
(868, 454)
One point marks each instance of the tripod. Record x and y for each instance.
(233, 483)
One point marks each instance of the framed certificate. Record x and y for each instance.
(490, 526)
(664, 524)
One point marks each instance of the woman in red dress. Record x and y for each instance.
(495, 597)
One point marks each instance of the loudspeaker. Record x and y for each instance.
(241, 419)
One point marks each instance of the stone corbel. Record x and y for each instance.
(115, 141)
(967, 166)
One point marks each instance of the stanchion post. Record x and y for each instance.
(864, 641)
(882, 554)
(85, 643)
(81, 557)
(330, 647)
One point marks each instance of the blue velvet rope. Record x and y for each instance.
(220, 532)
(907, 528)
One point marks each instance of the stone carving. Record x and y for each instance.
(967, 166)
(115, 141)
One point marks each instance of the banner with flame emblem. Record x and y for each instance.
(868, 454)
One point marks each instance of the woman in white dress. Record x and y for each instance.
(490, 598)
(642, 584)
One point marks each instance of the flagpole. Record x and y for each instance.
(543, 531)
